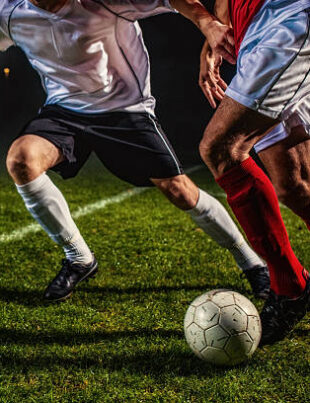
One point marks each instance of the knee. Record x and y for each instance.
(21, 162)
(206, 148)
(171, 187)
(180, 191)
(217, 154)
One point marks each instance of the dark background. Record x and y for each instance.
(174, 45)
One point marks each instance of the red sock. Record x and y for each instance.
(254, 202)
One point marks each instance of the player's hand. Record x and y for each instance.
(220, 38)
(210, 81)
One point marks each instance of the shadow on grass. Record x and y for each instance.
(73, 338)
(29, 298)
(160, 289)
(158, 362)
(146, 362)
(302, 332)
(34, 298)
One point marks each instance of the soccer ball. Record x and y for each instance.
(222, 327)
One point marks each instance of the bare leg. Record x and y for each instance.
(231, 134)
(30, 156)
(180, 190)
(228, 139)
(28, 159)
(288, 165)
(209, 214)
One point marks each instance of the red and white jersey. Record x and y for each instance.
(273, 45)
(241, 14)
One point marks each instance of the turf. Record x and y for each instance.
(120, 337)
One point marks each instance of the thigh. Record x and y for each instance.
(32, 149)
(134, 147)
(288, 162)
(232, 132)
(64, 131)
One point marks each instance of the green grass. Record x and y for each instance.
(120, 337)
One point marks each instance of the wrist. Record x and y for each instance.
(202, 18)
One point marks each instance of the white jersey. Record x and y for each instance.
(90, 54)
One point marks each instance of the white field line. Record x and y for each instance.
(21, 233)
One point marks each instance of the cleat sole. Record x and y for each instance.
(62, 299)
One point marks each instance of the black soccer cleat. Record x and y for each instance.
(280, 314)
(258, 277)
(67, 279)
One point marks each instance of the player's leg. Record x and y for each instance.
(288, 165)
(135, 148)
(228, 139)
(210, 215)
(29, 158)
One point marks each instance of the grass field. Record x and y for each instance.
(120, 337)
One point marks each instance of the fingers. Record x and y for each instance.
(230, 37)
(219, 93)
(211, 91)
(221, 83)
(206, 89)
(210, 98)
(227, 49)
(230, 44)
(227, 53)
(208, 94)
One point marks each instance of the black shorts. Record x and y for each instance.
(131, 145)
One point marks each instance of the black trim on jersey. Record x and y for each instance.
(9, 20)
(128, 63)
(112, 12)
(307, 74)
(119, 46)
(132, 70)
(289, 65)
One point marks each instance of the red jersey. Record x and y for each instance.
(241, 14)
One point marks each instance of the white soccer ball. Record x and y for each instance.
(222, 327)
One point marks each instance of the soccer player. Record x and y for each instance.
(271, 86)
(285, 154)
(95, 69)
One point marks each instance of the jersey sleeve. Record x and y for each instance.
(138, 9)
(7, 7)
(3, 24)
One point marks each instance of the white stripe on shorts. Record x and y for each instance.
(166, 144)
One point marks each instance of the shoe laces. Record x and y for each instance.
(65, 270)
(68, 268)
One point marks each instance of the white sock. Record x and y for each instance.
(211, 216)
(49, 208)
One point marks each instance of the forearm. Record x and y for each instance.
(221, 11)
(219, 36)
(194, 11)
